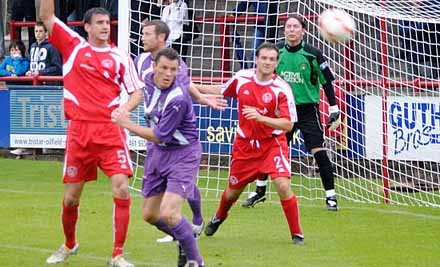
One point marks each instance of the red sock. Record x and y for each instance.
(121, 218)
(69, 217)
(291, 211)
(224, 207)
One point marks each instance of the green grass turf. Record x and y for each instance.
(357, 235)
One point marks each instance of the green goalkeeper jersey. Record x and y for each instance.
(304, 68)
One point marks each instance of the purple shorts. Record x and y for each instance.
(171, 170)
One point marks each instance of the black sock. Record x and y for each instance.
(325, 169)
(261, 190)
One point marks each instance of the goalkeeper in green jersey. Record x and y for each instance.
(306, 69)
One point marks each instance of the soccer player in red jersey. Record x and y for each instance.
(266, 111)
(94, 73)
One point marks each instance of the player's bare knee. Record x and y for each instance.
(71, 200)
(170, 217)
(232, 194)
(150, 217)
(283, 188)
(121, 192)
(120, 186)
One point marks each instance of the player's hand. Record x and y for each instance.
(334, 119)
(121, 117)
(251, 113)
(214, 101)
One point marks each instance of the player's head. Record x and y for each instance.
(294, 29)
(40, 31)
(154, 35)
(97, 24)
(165, 67)
(17, 49)
(266, 58)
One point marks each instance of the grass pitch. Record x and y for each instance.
(357, 235)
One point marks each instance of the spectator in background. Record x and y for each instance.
(432, 37)
(24, 10)
(140, 10)
(112, 7)
(63, 8)
(434, 55)
(265, 29)
(79, 8)
(412, 45)
(175, 15)
(16, 64)
(45, 59)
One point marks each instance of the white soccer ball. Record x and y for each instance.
(336, 25)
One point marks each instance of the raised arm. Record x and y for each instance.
(211, 97)
(47, 14)
(214, 89)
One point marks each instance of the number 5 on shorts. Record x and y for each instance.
(122, 159)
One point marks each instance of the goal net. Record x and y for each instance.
(387, 83)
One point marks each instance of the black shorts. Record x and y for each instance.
(310, 126)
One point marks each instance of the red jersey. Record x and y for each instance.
(93, 77)
(272, 98)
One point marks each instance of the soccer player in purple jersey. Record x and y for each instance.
(174, 153)
(154, 36)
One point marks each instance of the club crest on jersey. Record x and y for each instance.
(267, 97)
(303, 66)
(72, 171)
(107, 63)
(233, 180)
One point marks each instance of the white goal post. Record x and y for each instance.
(388, 83)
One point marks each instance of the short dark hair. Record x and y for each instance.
(267, 45)
(41, 24)
(20, 45)
(167, 52)
(160, 27)
(299, 18)
(95, 11)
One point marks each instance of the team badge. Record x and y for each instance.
(107, 63)
(267, 97)
(303, 66)
(233, 180)
(72, 171)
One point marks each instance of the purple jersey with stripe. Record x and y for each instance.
(144, 66)
(170, 113)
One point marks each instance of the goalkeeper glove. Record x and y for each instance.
(334, 119)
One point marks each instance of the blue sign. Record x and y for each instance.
(4, 118)
(37, 111)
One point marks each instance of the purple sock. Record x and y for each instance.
(184, 234)
(162, 226)
(196, 207)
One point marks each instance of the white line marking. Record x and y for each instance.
(79, 255)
